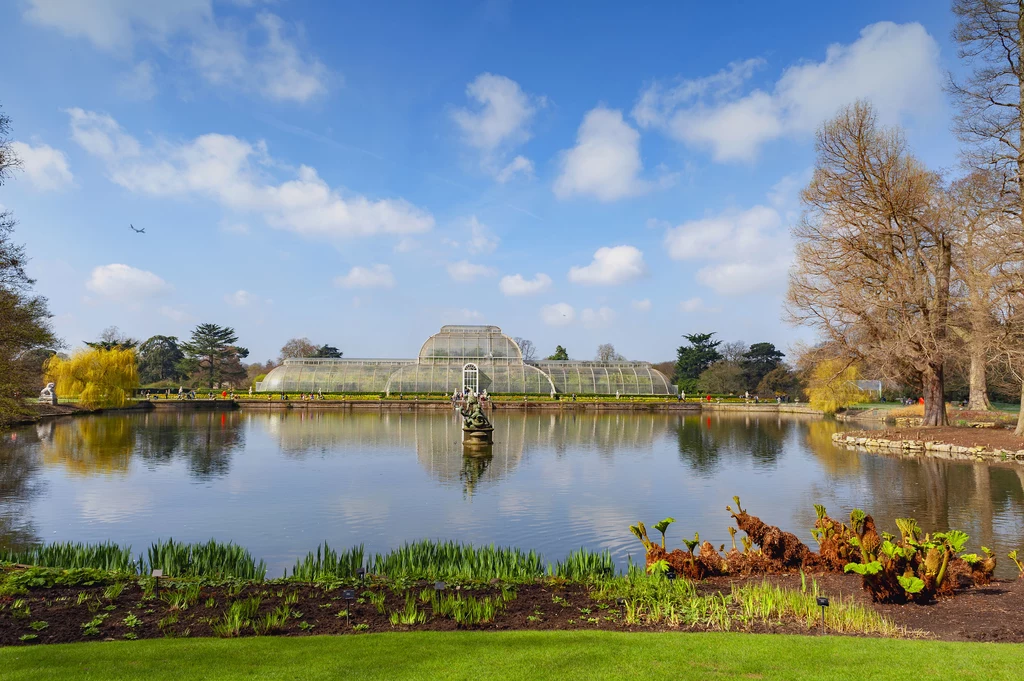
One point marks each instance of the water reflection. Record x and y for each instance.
(281, 482)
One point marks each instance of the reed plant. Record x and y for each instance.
(583, 565)
(71, 555)
(212, 559)
(327, 563)
(433, 560)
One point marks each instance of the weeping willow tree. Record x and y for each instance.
(833, 386)
(98, 378)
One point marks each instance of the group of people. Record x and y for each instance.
(460, 396)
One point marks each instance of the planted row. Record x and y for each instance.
(430, 560)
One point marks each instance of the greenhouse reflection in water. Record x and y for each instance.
(282, 482)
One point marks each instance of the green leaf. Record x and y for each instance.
(872, 568)
(663, 525)
(911, 585)
(971, 558)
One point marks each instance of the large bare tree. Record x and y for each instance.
(989, 35)
(873, 256)
(984, 244)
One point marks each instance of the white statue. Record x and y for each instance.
(49, 394)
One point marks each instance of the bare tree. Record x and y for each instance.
(991, 113)
(873, 257)
(983, 246)
(606, 353)
(298, 347)
(526, 347)
(8, 160)
(991, 122)
(734, 351)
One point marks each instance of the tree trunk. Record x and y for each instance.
(934, 396)
(979, 383)
(1019, 432)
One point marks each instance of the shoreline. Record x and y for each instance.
(956, 443)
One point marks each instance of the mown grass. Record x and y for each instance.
(510, 656)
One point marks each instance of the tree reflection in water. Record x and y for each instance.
(106, 444)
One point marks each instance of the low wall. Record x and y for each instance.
(439, 405)
(925, 448)
(763, 407)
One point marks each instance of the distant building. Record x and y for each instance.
(466, 357)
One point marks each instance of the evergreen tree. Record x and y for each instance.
(560, 353)
(213, 355)
(758, 361)
(159, 359)
(694, 359)
(328, 351)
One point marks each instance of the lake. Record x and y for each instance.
(280, 483)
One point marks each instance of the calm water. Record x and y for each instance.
(281, 483)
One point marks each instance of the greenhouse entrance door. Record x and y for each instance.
(471, 378)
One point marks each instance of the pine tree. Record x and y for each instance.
(212, 353)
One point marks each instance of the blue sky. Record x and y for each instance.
(362, 173)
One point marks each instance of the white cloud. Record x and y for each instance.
(520, 164)
(502, 116)
(596, 319)
(641, 305)
(611, 265)
(558, 314)
(259, 55)
(138, 83)
(125, 283)
(277, 69)
(176, 314)
(745, 232)
(692, 305)
(46, 168)
(377, 276)
(605, 163)
(234, 227)
(469, 315)
(481, 239)
(114, 25)
(894, 66)
(467, 271)
(749, 250)
(241, 298)
(516, 285)
(498, 123)
(233, 172)
(736, 278)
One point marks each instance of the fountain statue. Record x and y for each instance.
(476, 429)
(49, 394)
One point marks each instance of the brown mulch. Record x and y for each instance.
(989, 613)
(990, 438)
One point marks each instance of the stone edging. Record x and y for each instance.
(927, 447)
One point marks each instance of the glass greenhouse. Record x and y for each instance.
(466, 357)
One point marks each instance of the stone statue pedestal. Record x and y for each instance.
(477, 436)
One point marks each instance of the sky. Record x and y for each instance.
(362, 173)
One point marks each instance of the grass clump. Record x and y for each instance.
(328, 563)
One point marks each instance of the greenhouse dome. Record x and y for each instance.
(466, 358)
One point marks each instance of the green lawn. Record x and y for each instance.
(516, 655)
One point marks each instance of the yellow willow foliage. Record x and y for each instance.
(832, 386)
(98, 378)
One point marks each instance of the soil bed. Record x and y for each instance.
(989, 438)
(987, 613)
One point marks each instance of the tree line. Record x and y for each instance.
(707, 365)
